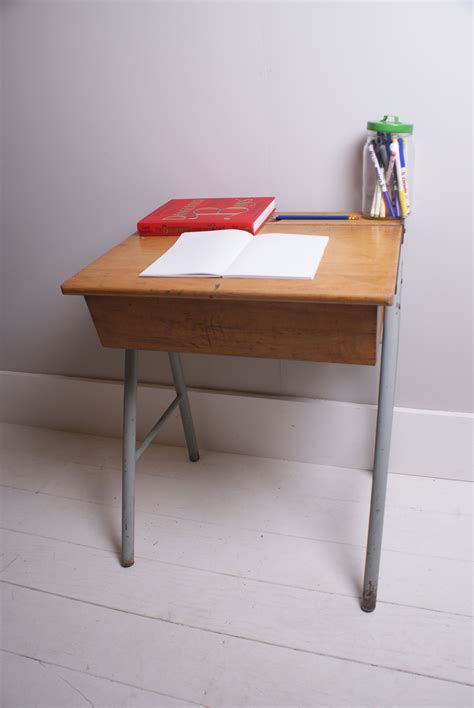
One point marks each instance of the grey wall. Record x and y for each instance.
(2, 240)
(111, 108)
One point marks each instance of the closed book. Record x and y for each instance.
(180, 215)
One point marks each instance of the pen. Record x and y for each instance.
(382, 153)
(396, 198)
(315, 217)
(382, 207)
(373, 208)
(404, 185)
(391, 164)
(398, 173)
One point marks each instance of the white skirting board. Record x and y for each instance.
(427, 443)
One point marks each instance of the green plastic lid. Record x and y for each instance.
(390, 124)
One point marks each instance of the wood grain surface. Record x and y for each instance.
(284, 330)
(359, 266)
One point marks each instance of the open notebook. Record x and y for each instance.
(232, 253)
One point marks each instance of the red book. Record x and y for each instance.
(179, 215)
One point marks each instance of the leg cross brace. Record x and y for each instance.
(154, 431)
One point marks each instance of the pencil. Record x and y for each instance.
(315, 217)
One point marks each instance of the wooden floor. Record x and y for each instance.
(246, 587)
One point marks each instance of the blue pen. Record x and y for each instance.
(315, 217)
(402, 152)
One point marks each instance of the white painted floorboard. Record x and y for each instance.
(245, 590)
(32, 682)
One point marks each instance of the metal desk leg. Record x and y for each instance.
(186, 417)
(129, 456)
(388, 375)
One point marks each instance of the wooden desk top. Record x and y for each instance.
(359, 266)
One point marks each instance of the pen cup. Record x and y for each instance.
(388, 169)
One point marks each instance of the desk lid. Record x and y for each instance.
(359, 266)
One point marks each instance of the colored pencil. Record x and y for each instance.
(315, 217)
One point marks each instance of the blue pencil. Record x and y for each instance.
(315, 217)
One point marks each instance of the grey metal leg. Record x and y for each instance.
(388, 375)
(129, 456)
(130, 452)
(184, 407)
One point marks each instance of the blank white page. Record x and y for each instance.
(279, 255)
(200, 253)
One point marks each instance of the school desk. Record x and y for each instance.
(340, 316)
